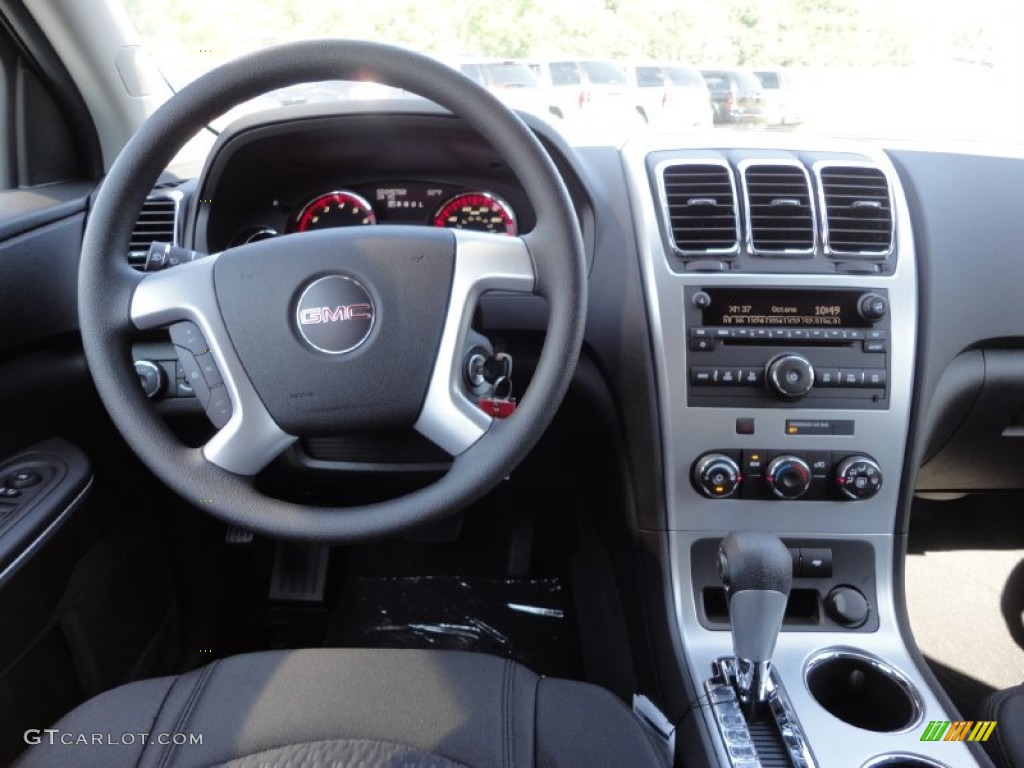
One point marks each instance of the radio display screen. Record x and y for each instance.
(783, 307)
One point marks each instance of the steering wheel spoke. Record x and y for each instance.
(483, 262)
(248, 438)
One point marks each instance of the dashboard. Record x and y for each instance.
(771, 318)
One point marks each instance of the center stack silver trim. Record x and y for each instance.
(687, 432)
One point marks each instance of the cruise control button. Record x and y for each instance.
(194, 375)
(219, 408)
(209, 368)
(187, 334)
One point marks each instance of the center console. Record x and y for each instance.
(782, 296)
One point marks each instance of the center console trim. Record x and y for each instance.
(686, 432)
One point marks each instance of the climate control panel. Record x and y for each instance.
(786, 475)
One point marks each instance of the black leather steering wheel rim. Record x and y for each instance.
(107, 285)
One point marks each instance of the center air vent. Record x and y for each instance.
(701, 203)
(858, 210)
(157, 223)
(779, 209)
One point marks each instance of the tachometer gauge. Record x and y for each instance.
(335, 209)
(481, 211)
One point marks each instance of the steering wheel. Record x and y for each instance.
(334, 330)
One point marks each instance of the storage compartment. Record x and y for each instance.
(863, 691)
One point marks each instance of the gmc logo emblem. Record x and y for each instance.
(341, 314)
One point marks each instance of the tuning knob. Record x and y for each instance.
(151, 378)
(790, 376)
(788, 477)
(872, 306)
(716, 475)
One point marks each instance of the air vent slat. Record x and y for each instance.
(701, 205)
(858, 210)
(781, 216)
(157, 222)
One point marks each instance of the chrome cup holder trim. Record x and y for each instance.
(895, 758)
(841, 653)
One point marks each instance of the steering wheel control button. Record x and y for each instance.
(790, 376)
(9, 493)
(335, 314)
(208, 367)
(24, 479)
(187, 334)
(716, 475)
(858, 477)
(151, 378)
(218, 410)
(194, 375)
(847, 606)
(788, 477)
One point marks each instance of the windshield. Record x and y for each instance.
(900, 69)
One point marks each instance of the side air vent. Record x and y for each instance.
(158, 222)
(779, 208)
(700, 200)
(858, 210)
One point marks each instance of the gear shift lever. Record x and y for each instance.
(757, 572)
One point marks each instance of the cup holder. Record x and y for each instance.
(863, 691)
(903, 761)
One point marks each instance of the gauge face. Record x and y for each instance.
(335, 209)
(480, 211)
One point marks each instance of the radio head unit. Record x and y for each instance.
(791, 347)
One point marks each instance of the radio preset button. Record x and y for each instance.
(874, 378)
(854, 334)
(818, 334)
(851, 377)
(801, 333)
(723, 333)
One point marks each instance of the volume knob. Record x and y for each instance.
(790, 376)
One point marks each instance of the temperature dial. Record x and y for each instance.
(790, 376)
(788, 477)
(716, 475)
(858, 477)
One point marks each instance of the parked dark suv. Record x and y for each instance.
(736, 95)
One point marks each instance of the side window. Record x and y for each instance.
(565, 73)
(717, 82)
(38, 144)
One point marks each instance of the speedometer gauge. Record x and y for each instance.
(480, 211)
(335, 209)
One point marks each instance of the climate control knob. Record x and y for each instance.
(858, 477)
(790, 376)
(716, 475)
(788, 477)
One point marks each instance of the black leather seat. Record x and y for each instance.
(1006, 746)
(340, 708)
